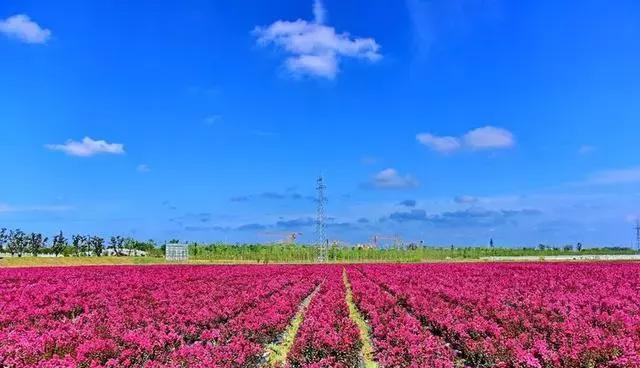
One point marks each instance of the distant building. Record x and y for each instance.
(177, 252)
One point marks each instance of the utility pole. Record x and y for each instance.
(323, 244)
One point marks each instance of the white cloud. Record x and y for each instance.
(633, 218)
(87, 147)
(212, 119)
(423, 24)
(7, 208)
(324, 65)
(319, 12)
(617, 176)
(477, 139)
(466, 199)
(429, 20)
(143, 168)
(440, 144)
(489, 138)
(263, 133)
(315, 48)
(586, 149)
(391, 179)
(21, 27)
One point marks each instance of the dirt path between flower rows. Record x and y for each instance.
(277, 352)
(366, 354)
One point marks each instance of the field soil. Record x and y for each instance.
(76, 261)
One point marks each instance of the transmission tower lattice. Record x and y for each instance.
(320, 221)
(637, 228)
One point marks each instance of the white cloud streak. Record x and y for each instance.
(466, 199)
(213, 119)
(586, 149)
(87, 147)
(489, 138)
(22, 28)
(391, 179)
(485, 138)
(319, 12)
(616, 176)
(439, 144)
(316, 49)
(7, 208)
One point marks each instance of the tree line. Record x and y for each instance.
(265, 253)
(18, 243)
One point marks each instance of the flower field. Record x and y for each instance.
(430, 315)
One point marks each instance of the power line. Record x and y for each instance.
(321, 220)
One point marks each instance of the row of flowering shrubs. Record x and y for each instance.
(525, 315)
(399, 339)
(146, 316)
(327, 337)
(440, 315)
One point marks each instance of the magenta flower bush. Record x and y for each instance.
(578, 315)
(398, 338)
(146, 316)
(328, 337)
(524, 315)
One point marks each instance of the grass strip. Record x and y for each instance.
(28, 261)
(356, 316)
(278, 351)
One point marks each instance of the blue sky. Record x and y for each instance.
(450, 122)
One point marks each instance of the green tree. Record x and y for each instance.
(37, 243)
(78, 242)
(131, 245)
(97, 245)
(17, 243)
(117, 243)
(59, 244)
(85, 248)
(4, 238)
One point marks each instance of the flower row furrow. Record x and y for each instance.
(155, 316)
(398, 338)
(529, 315)
(536, 315)
(327, 337)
